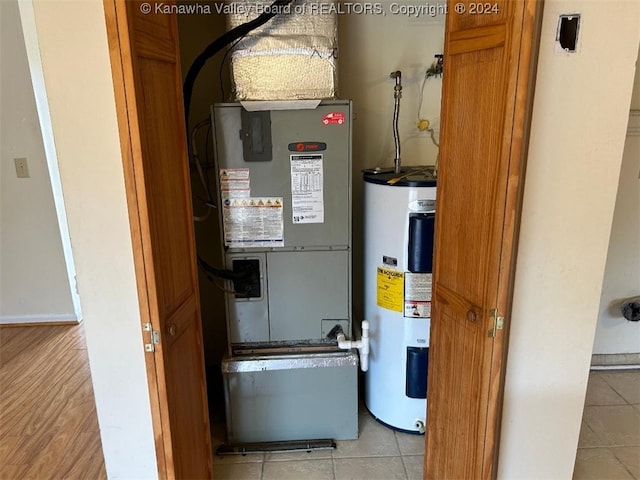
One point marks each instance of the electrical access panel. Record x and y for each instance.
(284, 187)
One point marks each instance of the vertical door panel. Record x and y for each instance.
(147, 83)
(485, 106)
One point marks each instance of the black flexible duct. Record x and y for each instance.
(218, 44)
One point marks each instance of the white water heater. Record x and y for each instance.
(399, 222)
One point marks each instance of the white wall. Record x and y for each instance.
(614, 334)
(577, 138)
(34, 284)
(75, 61)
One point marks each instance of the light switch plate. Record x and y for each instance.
(22, 167)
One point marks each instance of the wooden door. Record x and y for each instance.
(488, 70)
(147, 81)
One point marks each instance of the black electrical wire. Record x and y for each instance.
(212, 272)
(221, 42)
(217, 272)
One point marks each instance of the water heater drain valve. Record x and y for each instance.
(362, 345)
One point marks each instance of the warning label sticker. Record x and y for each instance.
(417, 295)
(390, 289)
(253, 222)
(234, 183)
(307, 188)
(417, 309)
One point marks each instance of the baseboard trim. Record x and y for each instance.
(30, 320)
(615, 359)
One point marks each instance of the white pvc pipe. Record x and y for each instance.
(362, 345)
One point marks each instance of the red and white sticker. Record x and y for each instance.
(417, 309)
(333, 117)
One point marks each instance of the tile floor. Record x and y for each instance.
(379, 453)
(609, 445)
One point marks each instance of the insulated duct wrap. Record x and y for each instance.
(292, 57)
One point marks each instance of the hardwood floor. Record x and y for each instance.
(48, 422)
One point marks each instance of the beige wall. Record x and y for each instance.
(578, 131)
(615, 334)
(34, 285)
(75, 60)
(370, 47)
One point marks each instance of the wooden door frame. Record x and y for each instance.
(118, 38)
(520, 85)
(521, 92)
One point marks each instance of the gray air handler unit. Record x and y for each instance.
(284, 178)
(398, 227)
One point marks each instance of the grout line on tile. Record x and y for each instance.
(626, 468)
(395, 437)
(615, 389)
(404, 466)
(624, 465)
(620, 462)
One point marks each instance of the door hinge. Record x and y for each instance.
(154, 337)
(498, 323)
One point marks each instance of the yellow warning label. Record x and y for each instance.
(390, 289)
